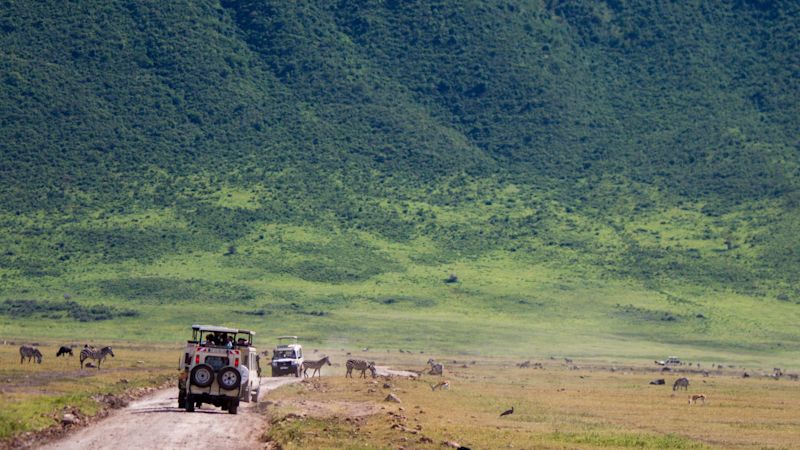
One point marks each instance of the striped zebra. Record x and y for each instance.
(316, 365)
(361, 365)
(681, 383)
(436, 368)
(27, 351)
(99, 355)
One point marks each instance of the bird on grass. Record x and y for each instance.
(505, 413)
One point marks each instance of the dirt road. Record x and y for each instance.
(156, 422)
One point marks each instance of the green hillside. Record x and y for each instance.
(624, 173)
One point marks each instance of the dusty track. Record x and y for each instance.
(156, 422)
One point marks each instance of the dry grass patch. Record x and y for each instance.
(554, 407)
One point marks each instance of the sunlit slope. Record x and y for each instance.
(592, 172)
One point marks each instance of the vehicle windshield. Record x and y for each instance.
(284, 354)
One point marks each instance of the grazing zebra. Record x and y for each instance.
(681, 383)
(436, 368)
(316, 365)
(361, 365)
(64, 350)
(26, 351)
(99, 355)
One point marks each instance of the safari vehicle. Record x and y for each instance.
(671, 361)
(219, 366)
(287, 358)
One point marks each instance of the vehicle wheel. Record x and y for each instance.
(189, 404)
(233, 407)
(229, 378)
(181, 399)
(202, 375)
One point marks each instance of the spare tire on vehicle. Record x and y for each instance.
(202, 375)
(229, 378)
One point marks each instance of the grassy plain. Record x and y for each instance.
(34, 395)
(354, 290)
(588, 404)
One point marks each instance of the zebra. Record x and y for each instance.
(27, 351)
(64, 350)
(361, 365)
(681, 383)
(99, 355)
(316, 365)
(436, 368)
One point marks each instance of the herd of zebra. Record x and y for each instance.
(352, 364)
(361, 365)
(87, 352)
(91, 353)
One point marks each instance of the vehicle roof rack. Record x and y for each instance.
(218, 329)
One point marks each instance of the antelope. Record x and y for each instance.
(441, 385)
(695, 397)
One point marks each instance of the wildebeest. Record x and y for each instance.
(681, 383)
(27, 351)
(64, 350)
(658, 381)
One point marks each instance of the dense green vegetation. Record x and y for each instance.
(324, 166)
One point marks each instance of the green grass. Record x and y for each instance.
(364, 291)
(35, 395)
(24, 412)
(606, 178)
